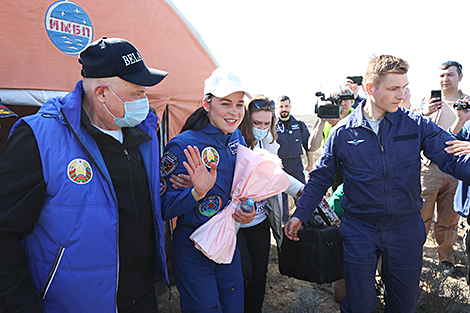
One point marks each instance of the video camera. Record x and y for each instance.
(333, 109)
(461, 105)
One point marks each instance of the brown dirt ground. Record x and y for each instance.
(282, 291)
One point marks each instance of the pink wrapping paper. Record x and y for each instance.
(256, 176)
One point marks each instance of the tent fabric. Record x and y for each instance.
(31, 61)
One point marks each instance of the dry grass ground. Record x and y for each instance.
(283, 294)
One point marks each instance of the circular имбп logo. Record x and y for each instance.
(68, 27)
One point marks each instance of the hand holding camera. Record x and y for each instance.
(332, 108)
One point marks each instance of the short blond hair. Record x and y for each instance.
(382, 65)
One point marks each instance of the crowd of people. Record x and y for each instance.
(86, 190)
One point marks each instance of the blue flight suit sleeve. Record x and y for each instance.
(175, 202)
(321, 178)
(433, 145)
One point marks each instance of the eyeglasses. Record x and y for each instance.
(448, 64)
(262, 104)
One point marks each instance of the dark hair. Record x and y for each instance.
(283, 98)
(448, 64)
(198, 119)
(246, 126)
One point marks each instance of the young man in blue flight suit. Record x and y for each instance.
(292, 135)
(377, 148)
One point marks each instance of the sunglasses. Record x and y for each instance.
(262, 104)
(451, 63)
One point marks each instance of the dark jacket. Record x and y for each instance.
(292, 135)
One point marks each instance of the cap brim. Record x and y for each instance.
(145, 77)
(225, 91)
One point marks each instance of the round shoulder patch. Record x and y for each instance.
(79, 171)
(168, 164)
(210, 206)
(210, 155)
(68, 27)
(163, 186)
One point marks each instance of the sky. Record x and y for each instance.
(297, 48)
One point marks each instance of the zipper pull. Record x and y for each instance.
(127, 155)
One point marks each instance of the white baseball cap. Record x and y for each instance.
(222, 83)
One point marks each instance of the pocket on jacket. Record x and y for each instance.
(52, 273)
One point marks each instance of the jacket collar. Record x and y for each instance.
(357, 119)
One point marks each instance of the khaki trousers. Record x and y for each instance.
(438, 191)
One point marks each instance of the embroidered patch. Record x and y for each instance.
(295, 126)
(210, 206)
(210, 155)
(79, 171)
(168, 164)
(355, 142)
(163, 186)
(233, 146)
(280, 127)
(69, 27)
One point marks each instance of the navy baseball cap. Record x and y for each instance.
(109, 57)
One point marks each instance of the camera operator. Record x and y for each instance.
(322, 129)
(438, 187)
(354, 83)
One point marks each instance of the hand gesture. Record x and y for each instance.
(202, 180)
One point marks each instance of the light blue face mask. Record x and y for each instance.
(259, 133)
(135, 112)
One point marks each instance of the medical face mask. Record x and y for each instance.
(259, 133)
(135, 112)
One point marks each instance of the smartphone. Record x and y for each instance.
(436, 94)
(356, 79)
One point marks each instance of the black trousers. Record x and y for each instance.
(254, 244)
(146, 304)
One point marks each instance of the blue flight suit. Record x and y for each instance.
(381, 201)
(204, 285)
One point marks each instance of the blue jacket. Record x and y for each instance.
(381, 172)
(213, 144)
(73, 249)
(462, 193)
(291, 138)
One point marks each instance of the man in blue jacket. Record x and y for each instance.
(292, 135)
(377, 148)
(81, 227)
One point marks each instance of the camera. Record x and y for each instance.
(461, 105)
(332, 110)
(356, 79)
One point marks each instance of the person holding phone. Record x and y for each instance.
(437, 186)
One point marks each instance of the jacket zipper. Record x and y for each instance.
(129, 167)
(114, 197)
(384, 165)
(48, 282)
